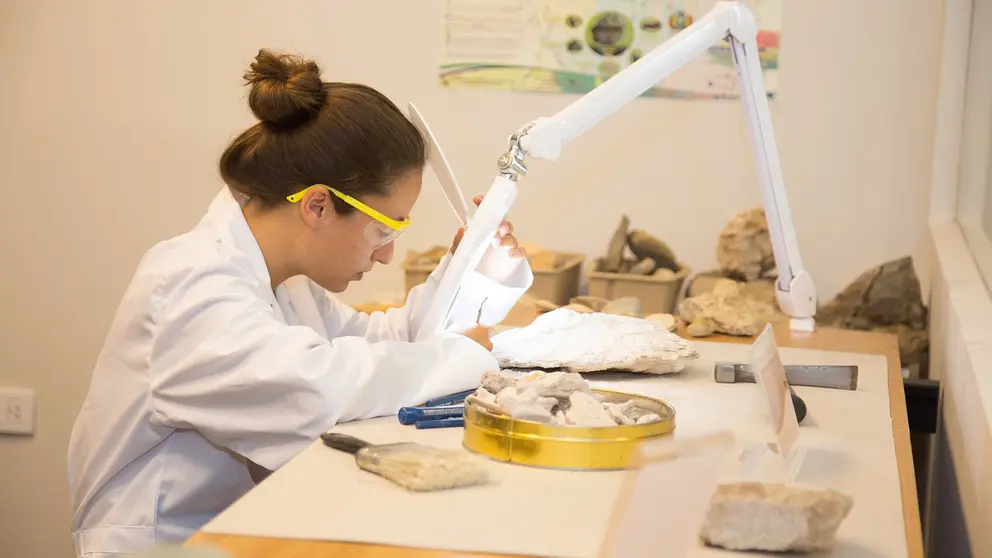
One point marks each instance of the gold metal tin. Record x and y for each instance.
(536, 444)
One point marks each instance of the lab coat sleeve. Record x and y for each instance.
(494, 287)
(221, 363)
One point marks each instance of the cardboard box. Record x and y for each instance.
(657, 294)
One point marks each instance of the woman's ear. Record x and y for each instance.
(315, 205)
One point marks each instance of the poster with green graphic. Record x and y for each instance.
(571, 46)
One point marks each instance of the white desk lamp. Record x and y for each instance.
(545, 138)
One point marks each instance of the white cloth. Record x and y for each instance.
(204, 366)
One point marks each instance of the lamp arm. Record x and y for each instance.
(733, 21)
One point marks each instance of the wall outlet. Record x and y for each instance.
(16, 411)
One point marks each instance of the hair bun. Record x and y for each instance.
(285, 89)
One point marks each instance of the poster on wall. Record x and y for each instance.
(571, 46)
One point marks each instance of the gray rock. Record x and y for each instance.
(614, 253)
(885, 298)
(644, 245)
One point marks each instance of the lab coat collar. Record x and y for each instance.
(224, 215)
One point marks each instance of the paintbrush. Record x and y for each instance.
(413, 466)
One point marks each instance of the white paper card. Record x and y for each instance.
(479, 234)
(666, 496)
(769, 374)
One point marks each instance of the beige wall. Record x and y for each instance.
(113, 113)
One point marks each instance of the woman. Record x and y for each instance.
(227, 351)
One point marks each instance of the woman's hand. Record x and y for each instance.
(480, 335)
(504, 237)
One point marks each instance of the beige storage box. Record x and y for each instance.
(657, 294)
(557, 285)
(560, 284)
(415, 274)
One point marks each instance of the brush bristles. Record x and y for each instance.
(425, 471)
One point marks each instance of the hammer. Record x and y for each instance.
(829, 376)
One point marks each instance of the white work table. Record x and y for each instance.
(320, 504)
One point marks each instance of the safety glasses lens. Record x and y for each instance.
(379, 235)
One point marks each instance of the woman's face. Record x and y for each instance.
(342, 248)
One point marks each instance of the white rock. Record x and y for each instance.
(619, 411)
(486, 396)
(579, 308)
(592, 343)
(496, 381)
(587, 411)
(554, 384)
(666, 320)
(525, 404)
(774, 517)
(648, 418)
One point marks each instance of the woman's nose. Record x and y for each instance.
(384, 255)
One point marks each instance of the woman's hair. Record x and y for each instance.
(344, 135)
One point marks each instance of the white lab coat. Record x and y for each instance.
(204, 366)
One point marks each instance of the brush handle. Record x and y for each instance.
(343, 442)
(441, 423)
(411, 415)
(452, 399)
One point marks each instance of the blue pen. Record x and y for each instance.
(411, 415)
(441, 423)
(452, 399)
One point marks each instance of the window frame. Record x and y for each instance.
(973, 211)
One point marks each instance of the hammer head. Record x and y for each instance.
(725, 373)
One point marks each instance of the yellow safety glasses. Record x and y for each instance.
(380, 232)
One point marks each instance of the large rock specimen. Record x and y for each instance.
(574, 342)
(726, 309)
(774, 517)
(705, 281)
(885, 298)
(744, 249)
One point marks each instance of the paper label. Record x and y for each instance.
(769, 374)
(666, 496)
